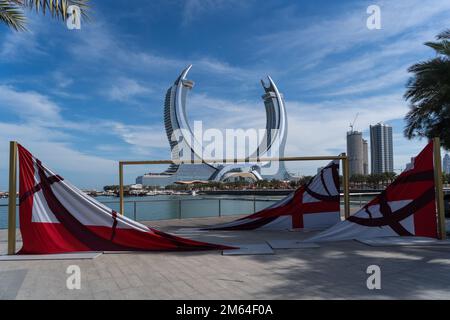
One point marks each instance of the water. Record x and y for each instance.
(182, 207)
(175, 207)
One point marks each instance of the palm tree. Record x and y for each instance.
(12, 11)
(429, 94)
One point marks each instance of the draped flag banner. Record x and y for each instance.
(407, 207)
(56, 217)
(313, 206)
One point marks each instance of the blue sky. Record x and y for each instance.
(82, 99)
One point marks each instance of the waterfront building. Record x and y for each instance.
(446, 164)
(355, 152)
(365, 157)
(381, 148)
(185, 146)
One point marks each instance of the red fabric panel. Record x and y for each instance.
(70, 235)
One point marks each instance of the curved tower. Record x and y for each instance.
(184, 145)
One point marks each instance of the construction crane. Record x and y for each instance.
(353, 123)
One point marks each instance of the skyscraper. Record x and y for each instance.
(381, 148)
(365, 157)
(355, 152)
(446, 164)
(186, 146)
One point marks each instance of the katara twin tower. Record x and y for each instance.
(186, 146)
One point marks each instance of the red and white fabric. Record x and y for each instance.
(405, 208)
(56, 217)
(314, 206)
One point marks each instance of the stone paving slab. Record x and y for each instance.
(332, 271)
(403, 241)
(249, 249)
(43, 257)
(291, 244)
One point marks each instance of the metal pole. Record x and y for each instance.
(243, 160)
(122, 206)
(345, 185)
(220, 208)
(12, 198)
(134, 210)
(439, 188)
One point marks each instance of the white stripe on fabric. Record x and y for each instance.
(347, 230)
(87, 210)
(280, 223)
(329, 182)
(321, 220)
(40, 211)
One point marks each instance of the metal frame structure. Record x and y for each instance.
(345, 169)
(439, 188)
(12, 195)
(343, 157)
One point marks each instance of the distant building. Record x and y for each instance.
(446, 164)
(365, 157)
(381, 148)
(185, 147)
(355, 152)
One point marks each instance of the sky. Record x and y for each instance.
(80, 100)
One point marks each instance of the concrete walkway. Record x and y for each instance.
(333, 271)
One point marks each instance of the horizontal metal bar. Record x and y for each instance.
(242, 160)
(197, 199)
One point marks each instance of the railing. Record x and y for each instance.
(191, 208)
(163, 209)
(159, 209)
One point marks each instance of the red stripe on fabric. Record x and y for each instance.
(71, 236)
(416, 184)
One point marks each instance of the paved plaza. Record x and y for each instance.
(331, 271)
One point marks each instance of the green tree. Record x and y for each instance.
(13, 15)
(428, 92)
(358, 180)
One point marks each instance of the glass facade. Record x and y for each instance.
(381, 148)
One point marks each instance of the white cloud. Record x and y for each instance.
(125, 89)
(309, 45)
(47, 145)
(193, 9)
(29, 105)
(43, 130)
(143, 138)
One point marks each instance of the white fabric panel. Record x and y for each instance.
(375, 209)
(318, 187)
(347, 230)
(41, 212)
(87, 210)
(244, 221)
(84, 212)
(328, 177)
(307, 198)
(232, 223)
(90, 213)
(280, 223)
(321, 220)
(282, 202)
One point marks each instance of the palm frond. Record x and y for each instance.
(428, 92)
(12, 15)
(57, 8)
(445, 35)
(442, 47)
